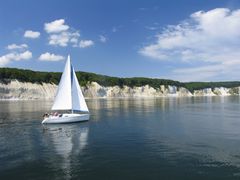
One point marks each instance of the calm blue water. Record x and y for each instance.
(165, 138)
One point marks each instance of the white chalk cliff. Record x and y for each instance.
(25, 90)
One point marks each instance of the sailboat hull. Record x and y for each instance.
(66, 118)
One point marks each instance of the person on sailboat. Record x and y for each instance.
(46, 115)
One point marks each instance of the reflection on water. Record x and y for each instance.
(159, 138)
(68, 141)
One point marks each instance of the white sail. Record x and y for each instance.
(78, 101)
(63, 98)
(69, 95)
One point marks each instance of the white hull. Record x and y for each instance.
(66, 118)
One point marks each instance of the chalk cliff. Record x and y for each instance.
(24, 90)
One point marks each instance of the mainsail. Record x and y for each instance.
(69, 95)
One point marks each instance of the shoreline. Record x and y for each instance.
(135, 98)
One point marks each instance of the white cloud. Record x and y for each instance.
(64, 38)
(61, 34)
(5, 59)
(56, 26)
(86, 43)
(50, 57)
(102, 38)
(23, 56)
(74, 36)
(15, 46)
(61, 39)
(209, 40)
(31, 34)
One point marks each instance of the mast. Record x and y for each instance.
(71, 75)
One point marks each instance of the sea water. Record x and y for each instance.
(159, 138)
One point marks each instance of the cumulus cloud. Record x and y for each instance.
(17, 53)
(60, 34)
(31, 34)
(86, 43)
(102, 38)
(64, 38)
(15, 46)
(50, 57)
(210, 41)
(5, 59)
(56, 26)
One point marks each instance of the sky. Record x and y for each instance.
(185, 40)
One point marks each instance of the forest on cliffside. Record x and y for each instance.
(22, 75)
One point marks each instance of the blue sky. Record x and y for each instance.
(185, 40)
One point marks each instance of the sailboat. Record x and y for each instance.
(69, 98)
